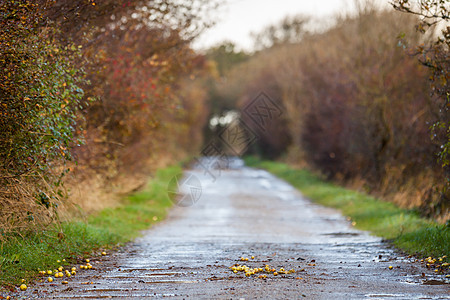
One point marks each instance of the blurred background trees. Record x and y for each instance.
(357, 105)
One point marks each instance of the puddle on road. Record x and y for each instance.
(143, 275)
(381, 296)
(434, 282)
(171, 281)
(139, 269)
(129, 270)
(138, 296)
(341, 234)
(110, 290)
(418, 280)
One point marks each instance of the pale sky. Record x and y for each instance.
(236, 19)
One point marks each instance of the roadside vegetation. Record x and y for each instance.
(94, 98)
(404, 228)
(23, 256)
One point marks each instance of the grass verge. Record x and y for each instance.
(21, 256)
(405, 228)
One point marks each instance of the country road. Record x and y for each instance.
(243, 213)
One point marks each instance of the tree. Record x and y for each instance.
(289, 30)
(226, 56)
(434, 53)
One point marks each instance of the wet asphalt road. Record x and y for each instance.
(247, 212)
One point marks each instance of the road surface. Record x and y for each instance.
(245, 212)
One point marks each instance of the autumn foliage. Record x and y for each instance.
(357, 107)
(103, 89)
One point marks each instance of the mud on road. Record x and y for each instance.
(244, 213)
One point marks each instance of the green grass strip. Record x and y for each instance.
(405, 228)
(22, 256)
